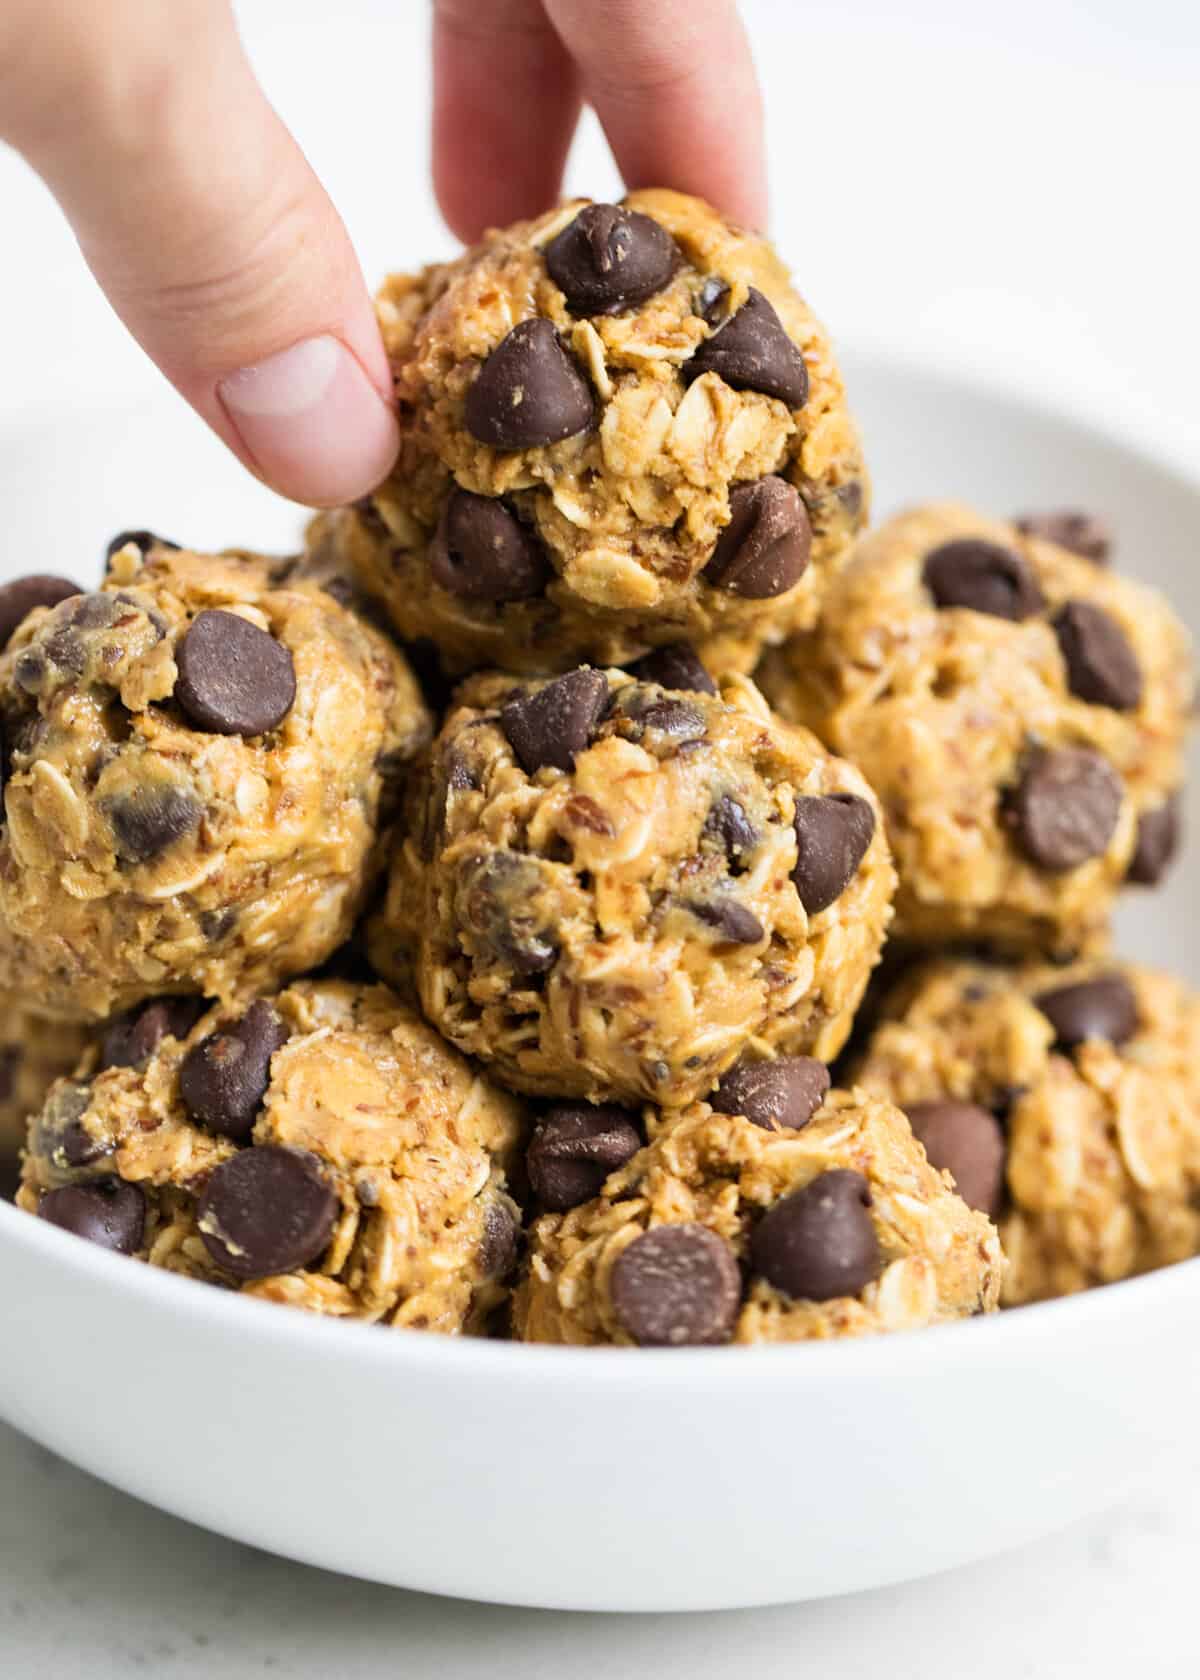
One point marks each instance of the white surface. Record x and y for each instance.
(98, 1587)
(1001, 187)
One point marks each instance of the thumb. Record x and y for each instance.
(211, 236)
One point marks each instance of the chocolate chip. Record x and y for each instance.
(30, 669)
(731, 922)
(33, 670)
(764, 549)
(133, 1037)
(779, 1095)
(18, 599)
(1157, 842)
(529, 392)
(107, 1211)
(267, 1210)
(96, 611)
(819, 1243)
(676, 1286)
(498, 1246)
(1065, 808)
(673, 718)
(609, 258)
(967, 1142)
(707, 301)
(752, 352)
(573, 1149)
(852, 495)
(234, 679)
(674, 666)
(482, 552)
(345, 592)
(1102, 668)
(224, 1078)
(983, 576)
(549, 727)
(143, 541)
(61, 651)
(727, 822)
(215, 925)
(498, 904)
(58, 1134)
(833, 833)
(150, 819)
(1100, 1008)
(64, 647)
(1082, 533)
(582, 811)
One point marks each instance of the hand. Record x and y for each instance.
(672, 82)
(221, 252)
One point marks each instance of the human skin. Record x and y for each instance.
(230, 265)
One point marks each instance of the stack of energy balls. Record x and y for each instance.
(506, 1004)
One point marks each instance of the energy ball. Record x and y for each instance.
(323, 1148)
(199, 759)
(1088, 1078)
(609, 889)
(825, 1222)
(34, 1052)
(621, 427)
(1021, 713)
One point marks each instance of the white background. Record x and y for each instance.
(1008, 188)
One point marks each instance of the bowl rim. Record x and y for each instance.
(1148, 437)
(193, 1302)
(982, 1338)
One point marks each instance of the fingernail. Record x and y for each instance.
(312, 422)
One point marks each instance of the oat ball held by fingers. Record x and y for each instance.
(323, 1148)
(620, 426)
(804, 1223)
(34, 1052)
(198, 762)
(1021, 713)
(614, 888)
(1066, 1099)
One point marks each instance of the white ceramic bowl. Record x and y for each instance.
(604, 1479)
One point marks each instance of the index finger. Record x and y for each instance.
(674, 85)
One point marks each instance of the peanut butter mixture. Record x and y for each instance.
(1021, 713)
(324, 1148)
(621, 426)
(727, 1228)
(34, 1052)
(1093, 1074)
(200, 762)
(610, 889)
